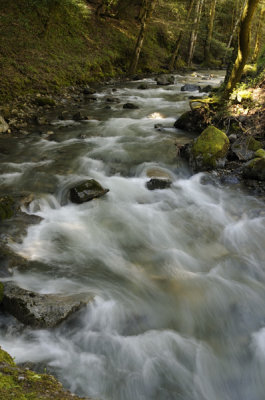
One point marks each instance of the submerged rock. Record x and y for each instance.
(87, 191)
(39, 310)
(209, 150)
(3, 125)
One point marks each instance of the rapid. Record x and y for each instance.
(178, 274)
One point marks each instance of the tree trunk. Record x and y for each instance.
(243, 46)
(233, 33)
(194, 33)
(179, 39)
(146, 12)
(258, 35)
(207, 54)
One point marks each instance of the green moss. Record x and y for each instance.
(253, 144)
(260, 153)
(6, 207)
(20, 384)
(210, 147)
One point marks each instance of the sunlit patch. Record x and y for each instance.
(156, 115)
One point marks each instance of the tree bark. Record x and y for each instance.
(179, 39)
(194, 33)
(233, 32)
(146, 12)
(243, 46)
(207, 48)
(258, 35)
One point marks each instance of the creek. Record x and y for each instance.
(178, 274)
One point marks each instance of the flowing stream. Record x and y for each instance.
(178, 274)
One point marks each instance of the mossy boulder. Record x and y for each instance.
(22, 384)
(260, 153)
(255, 169)
(209, 150)
(87, 191)
(7, 207)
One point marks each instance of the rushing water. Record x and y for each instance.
(178, 274)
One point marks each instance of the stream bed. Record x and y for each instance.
(178, 274)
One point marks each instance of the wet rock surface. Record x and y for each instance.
(158, 183)
(40, 310)
(87, 191)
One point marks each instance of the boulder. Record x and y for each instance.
(209, 150)
(165, 80)
(130, 106)
(193, 121)
(255, 169)
(87, 191)
(244, 148)
(3, 125)
(206, 89)
(158, 183)
(190, 88)
(40, 310)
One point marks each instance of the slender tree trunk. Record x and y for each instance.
(179, 39)
(243, 46)
(146, 12)
(258, 35)
(207, 54)
(233, 33)
(194, 33)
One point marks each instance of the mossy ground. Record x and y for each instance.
(22, 384)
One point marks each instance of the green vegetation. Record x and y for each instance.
(22, 384)
(6, 207)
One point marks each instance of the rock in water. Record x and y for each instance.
(209, 150)
(158, 183)
(165, 80)
(87, 191)
(3, 125)
(130, 106)
(39, 310)
(190, 88)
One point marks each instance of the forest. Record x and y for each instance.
(132, 199)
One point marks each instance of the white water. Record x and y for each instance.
(178, 274)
